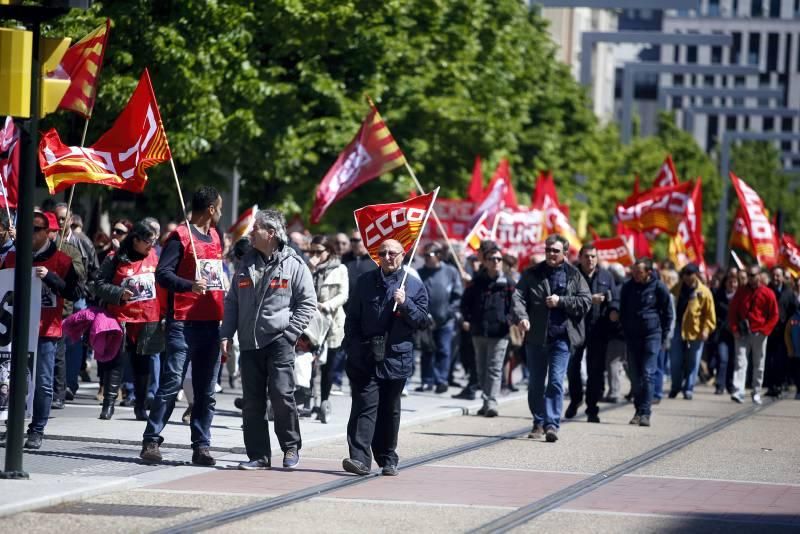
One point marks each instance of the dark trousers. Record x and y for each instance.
(60, 371)
(187, 341)
(467, 351)
(114, 371)
(595, 369)
(374, 419)
(642, 360)
(271, 367)
(777, 365)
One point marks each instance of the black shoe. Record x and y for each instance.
(644, 420)
(441, 388)
(34, 441)
(673, 393)
(719, 390)
(128, 403)
(57, 404)
(551, 435)
(107, 412)
(537, 432)
(85, 376)
(69, 395)
(465, 394)
(423, 388)
(572, 410)
(202, 456)
(629, 396)
(239, 403)
(512, 388)
(482, 411)
(140, 413)
(355, 467)
(389, 470)
(150, 453)
(491, 412)
(593, 418)
(655, 401)
(454, 383)
(635, 420)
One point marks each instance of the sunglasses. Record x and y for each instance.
(551, 250)
(496, 259)
(389, 254)
(119, 231)
(316, 252)
(355, 240)
(39, 228)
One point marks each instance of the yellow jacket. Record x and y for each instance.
(700, 316)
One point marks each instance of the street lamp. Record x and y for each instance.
(724, 167)
(631, 69)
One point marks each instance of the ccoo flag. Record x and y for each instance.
(763, 238)
(119, 158)
(82, 63)
(371, 153)
(402, 221)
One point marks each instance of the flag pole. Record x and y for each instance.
(416, 243)
(72, 189)
(185, 218)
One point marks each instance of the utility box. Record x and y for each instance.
(16, 49)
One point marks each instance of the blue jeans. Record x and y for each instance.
(685, 363)
(662, 368)
(724, 370)
(436, 365)
(43, 394)
(154, 364)
(187, 341)
(642, 362)
(550, 362)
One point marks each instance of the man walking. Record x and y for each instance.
(777, 359)
(605, 298)
(752, 316)
(194, 310)
(444, 298)
(382, 316)
(269, 304)
(646, 314)
(550, 303)
(696, 319)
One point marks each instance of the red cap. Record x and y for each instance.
(52, 222)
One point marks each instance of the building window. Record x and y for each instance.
(691, 54)
(746, 123)
(730, 123)
(677, 102)
(738, 102)
(724, 81)
(753, 48)
(775, 9)
(772, 52)
(768, 124)
(713, 8)
(756, 8)
(764, 79)
(712, 131)
(797, 9)
(716, 55)
(738, 81)
(736, 48)
(708, 80)
(735, 8)
(677, 80)
(787, 124)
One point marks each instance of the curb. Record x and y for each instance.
(64, 496)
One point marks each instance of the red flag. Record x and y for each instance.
(475, 191)
(667, 175)
(790, 255)
(401, 221)
(243, 224)
(762, 233)
(556, 220)
(499, 193)
(613, 250)
(636, 240)
(479, 232)
(520, 233)
(740, 237)
(9, 163)
(372, 152)
(663, 208)
(119, 158)
(688, 245)
(82, 63)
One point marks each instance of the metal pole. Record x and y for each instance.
(22, 278)
(627, 105)
(235, 193)
(722, 215)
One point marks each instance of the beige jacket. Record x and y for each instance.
(332, 287)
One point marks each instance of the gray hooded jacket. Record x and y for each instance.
(269, 298)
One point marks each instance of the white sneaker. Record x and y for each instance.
(181, 396)
(756, 398)
(217, 388)
(405, 392)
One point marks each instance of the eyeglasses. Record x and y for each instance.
(431, 254)
(355, 240)
(39, 228)
(119, 231)
(496, 259)
(389, 253)
(341, 243)
(552, 250)
(316, 252)
(152, 241)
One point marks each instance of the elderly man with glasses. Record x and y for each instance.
(550, 302)
(382, 315)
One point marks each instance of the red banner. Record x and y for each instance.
(82, 63)
(790, 255)
(372, 152)
(666, 177)
(662, 208)
(401, 221)
(740, 237)
(688, 245)
(759, 228)
(9, 163)
(613, 250)
(119, 158)
(555, 215)
(456, 217)
(499, 193)
(520, 233)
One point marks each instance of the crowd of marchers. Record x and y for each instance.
(298, 318)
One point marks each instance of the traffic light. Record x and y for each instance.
(16, 49)
(54, 82)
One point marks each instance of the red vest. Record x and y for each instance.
(138, 277)
(52, 304)
(190, 306)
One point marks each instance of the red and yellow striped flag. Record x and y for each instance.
(371, 153)
(119, 158)
(82, 63)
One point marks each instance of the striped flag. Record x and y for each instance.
(371, 153)
(763, 238)
(119, 158)
(244, 224)
(480, 232)
(82, 63)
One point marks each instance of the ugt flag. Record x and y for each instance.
(371, 153)
(119, 158)
(759, 228)
(663, 208)
(402, 221)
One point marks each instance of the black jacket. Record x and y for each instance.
(486, 305)
(444, 292)
(529, 297)
(722, 333)
(369, 315)
(646, 309)
(597, 321)
(356, 266)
